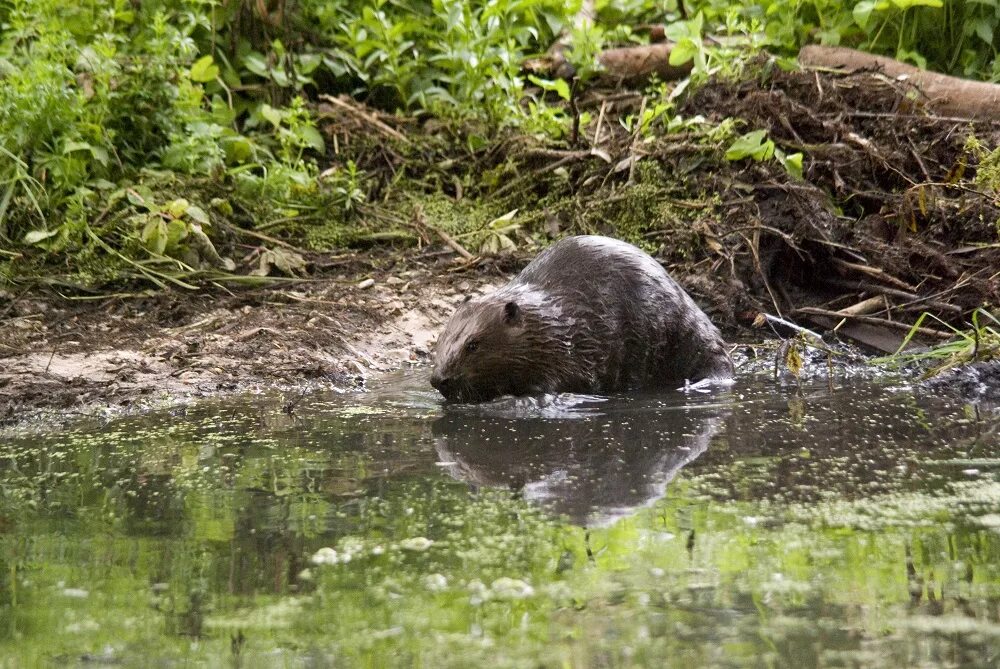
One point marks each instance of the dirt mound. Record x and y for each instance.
(888, 207)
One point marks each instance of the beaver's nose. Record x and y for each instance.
(441, 383)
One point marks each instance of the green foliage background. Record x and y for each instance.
(133, 136)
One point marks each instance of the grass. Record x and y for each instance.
(980, 342)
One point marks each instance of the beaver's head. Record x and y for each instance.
(492, 346)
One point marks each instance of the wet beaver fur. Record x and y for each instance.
(590, 314)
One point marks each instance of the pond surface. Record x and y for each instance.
(848, 523)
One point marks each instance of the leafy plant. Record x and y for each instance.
(757, 146)
(951, 36)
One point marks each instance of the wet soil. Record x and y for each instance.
(65, 358)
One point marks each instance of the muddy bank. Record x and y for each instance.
(894, 215)
(63, 359)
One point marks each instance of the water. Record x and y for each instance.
(852, 523)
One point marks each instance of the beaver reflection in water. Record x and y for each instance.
(590, 314)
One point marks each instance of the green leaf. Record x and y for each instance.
(271, 114)
(501, 221)
(984, 30)
(683, 52)
(792, 163)
(238, 149)
(99, 153)
(177, 208)
(257, 64)
(204, 69)
(176, 231)
(308, 62)
(140, 196)
(751, 145)
(915, 57)
(280, 77)
(198, 214)
(311, 137)
(222, 206)
(863, 11)
(154, 235)
(906, 4)
(559, 86)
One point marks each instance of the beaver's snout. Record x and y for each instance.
(442, 384)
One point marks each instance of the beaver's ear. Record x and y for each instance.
(511, 312)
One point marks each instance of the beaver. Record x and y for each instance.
(590, 314)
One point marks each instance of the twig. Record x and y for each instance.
(902, 294)
(868, 306)
(871, 320)
(635, 141)
(150, 274)
(920, 162)
(798, 329)
(450, 241)
(754, 247)
(600, 122)
(873, 272)
(420, 222)
(906, 117)
(368, 117)
(261, 236)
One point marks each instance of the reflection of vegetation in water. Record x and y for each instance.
(337, 538)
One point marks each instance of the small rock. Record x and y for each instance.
(394, 281)
(367, 283)
(464, 286)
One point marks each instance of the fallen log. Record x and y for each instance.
(630, 64)
(638, 63)
(943, 94)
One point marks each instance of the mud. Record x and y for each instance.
(61, 359)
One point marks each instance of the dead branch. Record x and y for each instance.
(638, 63)
(871, 320)
(874, 272)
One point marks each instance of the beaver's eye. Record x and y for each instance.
(471, 346)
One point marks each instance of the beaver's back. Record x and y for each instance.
(638, 324)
